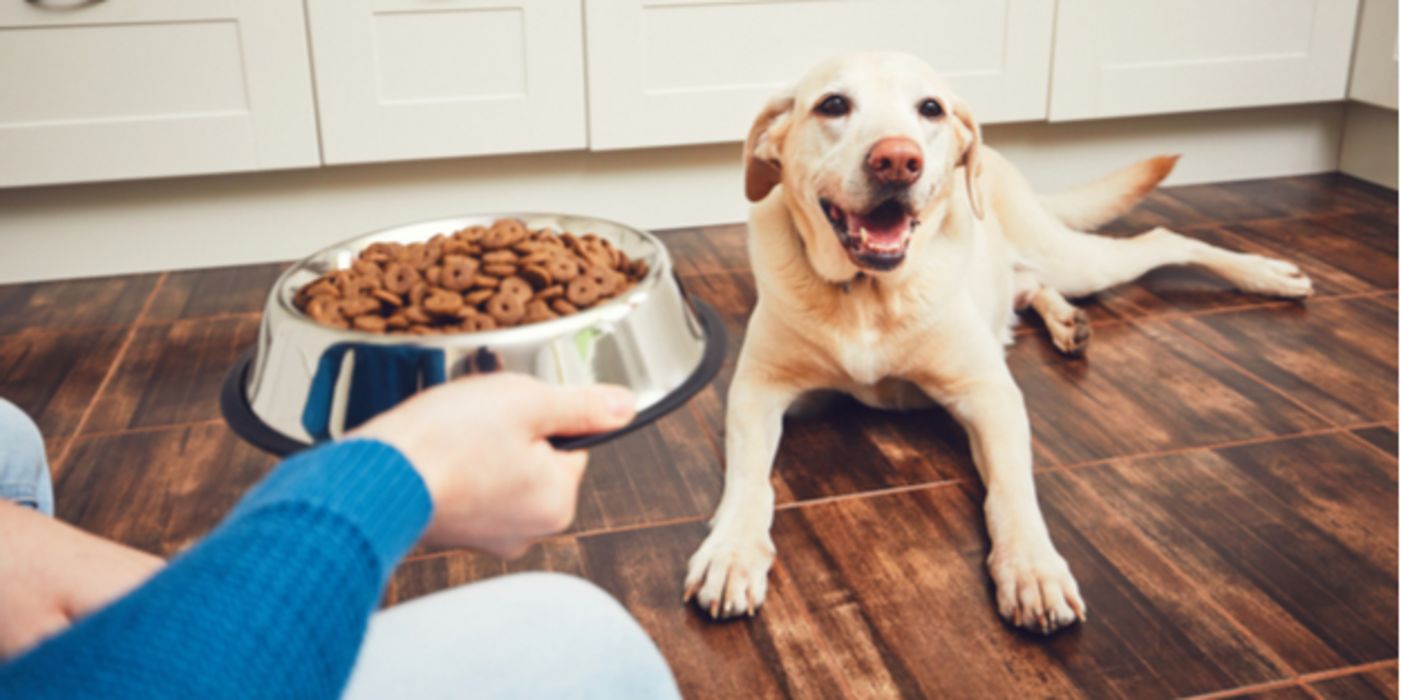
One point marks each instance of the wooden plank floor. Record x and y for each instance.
(1220, 472)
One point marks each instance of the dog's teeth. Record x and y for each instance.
(864, 235)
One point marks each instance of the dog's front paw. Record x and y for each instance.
(728, 575)
(1035, 589)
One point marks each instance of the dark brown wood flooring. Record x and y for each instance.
(1220, 472)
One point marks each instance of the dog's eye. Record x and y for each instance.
(930, 108)
(834, 106)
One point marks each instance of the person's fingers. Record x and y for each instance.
(551, 494)
(571, 463)
(581, 410)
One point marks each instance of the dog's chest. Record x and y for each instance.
(869, 348)
(862, 357)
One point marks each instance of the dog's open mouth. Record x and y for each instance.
(876, 239)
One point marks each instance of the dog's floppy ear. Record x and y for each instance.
(971, 161)
(761, 150)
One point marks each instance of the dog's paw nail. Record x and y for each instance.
(729, 574)
(1036, 592)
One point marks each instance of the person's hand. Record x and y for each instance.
(481, 447)
(52, 573)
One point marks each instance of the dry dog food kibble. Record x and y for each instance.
(480, 278)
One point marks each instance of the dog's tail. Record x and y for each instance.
(1088, 207)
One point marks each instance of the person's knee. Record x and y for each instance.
(523, 635)
(571, 601)
(562, 600)
(24, 470)
(580, 610)
(18, 433)
(571, 591)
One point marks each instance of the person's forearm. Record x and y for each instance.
(273, 604)
(80, 572)
(52, 572)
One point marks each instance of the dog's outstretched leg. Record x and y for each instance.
(1255, 274)
(1083, 264)
(728, 574)
(1035, 589)
(1077, 264)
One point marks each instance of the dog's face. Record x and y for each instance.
(865, 146)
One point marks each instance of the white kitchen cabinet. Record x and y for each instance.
(1128, 57)
(403, 79)
(1374, 60)
(665, 72)
(121, 89)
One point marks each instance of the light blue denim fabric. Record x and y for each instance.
(24, 471)
(535, 635)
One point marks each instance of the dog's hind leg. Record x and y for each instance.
(1078, 264)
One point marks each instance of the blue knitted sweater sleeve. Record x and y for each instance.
(273, 604)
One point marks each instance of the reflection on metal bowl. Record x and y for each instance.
(305, 382)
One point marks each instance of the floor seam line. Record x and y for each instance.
(1345, 671)
(943, 483)
(1300, 680)
(634, 527)
(1237, 691)
(1254, 377)
(1199, 313)
(235, 315)
(1351, 433)
(151, 428)
(1309, 691)
(1169, 452)
(111, 371)
(889, 491)
(573, 535)
(1286, 218)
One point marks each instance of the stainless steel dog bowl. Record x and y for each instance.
(304, 382)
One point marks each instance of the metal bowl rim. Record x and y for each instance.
(552, 328)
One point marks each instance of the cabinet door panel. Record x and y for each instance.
(1374, 63)
(401, 79)
(126, 90)
(665, 72)
(1128, 57)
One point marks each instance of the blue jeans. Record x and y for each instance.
(24, 471)
(531, 635)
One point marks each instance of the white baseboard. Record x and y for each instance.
(1369, 144)
(1215, 146)
(124, 227)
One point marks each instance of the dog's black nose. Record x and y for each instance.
(895, 160)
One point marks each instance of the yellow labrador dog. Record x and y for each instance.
(890, 249)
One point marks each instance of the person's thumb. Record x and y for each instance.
(581, 410)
